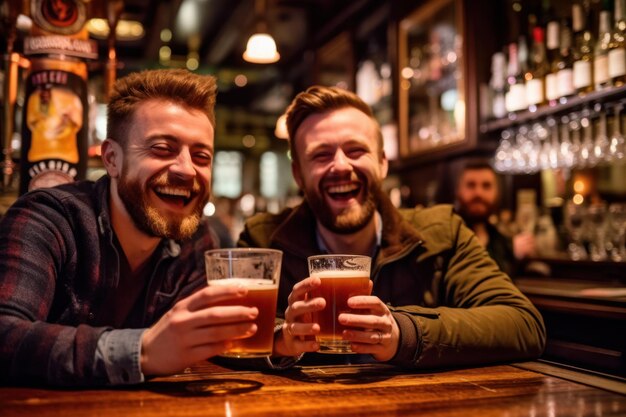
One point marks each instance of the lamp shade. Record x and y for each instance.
(261, 49)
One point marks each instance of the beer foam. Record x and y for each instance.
(341, 274)
(249, 283)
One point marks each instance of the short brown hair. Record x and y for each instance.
(178, 86)
(320, 99)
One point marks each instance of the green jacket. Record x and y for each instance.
(452, 303)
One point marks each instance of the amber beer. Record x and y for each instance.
(342, 277)
(262, 294)
(259, 271)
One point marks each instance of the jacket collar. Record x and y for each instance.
(297, 234)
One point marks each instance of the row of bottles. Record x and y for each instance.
(560, 58)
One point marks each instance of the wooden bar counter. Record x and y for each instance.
(527, 389)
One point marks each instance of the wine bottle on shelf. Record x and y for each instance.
(552, 44)
(601, 77)
(539, 67)
(497, 84)
(515, 98)
(617, 47)
(565, 63)
(583, 51)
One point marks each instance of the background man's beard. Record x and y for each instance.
(473, 217)
(149, 220)
(351, 220)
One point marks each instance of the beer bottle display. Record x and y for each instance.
(55, 131)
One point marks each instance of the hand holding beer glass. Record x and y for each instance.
(258, 270)
(342, 277)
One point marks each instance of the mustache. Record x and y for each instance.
(164, 180)
(478, 200)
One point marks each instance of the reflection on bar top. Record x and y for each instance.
(574, 289)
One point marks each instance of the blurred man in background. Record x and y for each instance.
(477, 197)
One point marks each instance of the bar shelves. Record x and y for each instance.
(609, 95)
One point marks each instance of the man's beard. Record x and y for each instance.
(148, 219)
(472, 216)
(353, 218)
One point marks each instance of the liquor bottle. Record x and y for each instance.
(617, 47)
(539, 67)
(497, 84)
(583, 51)
(565, 63)
(601, 77)
(515, 98)
(552, 43)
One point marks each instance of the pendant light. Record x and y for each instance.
(261, 48)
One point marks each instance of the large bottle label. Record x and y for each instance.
(601, 69)
(54, 136)
(55, 119)
(552, 87)
(565, 81)
(534, 91)
(582, 74)
(617, 62)
(516, 98)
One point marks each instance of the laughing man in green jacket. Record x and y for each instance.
(437, 300)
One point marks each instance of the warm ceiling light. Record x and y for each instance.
(281, 128)
(126, 30)
(261, 49)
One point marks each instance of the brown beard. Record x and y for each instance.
(352, 219)
(148, 219)
(472, 217)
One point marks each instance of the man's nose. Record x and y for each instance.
(341, 162)
(183, 165)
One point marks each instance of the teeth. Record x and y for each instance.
(172, 191)
(345, 188)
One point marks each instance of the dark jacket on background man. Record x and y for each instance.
(64, 289)
(452, 303)
(500, 248)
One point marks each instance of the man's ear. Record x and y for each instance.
(384, 165)
(297, 174)
(112, 157)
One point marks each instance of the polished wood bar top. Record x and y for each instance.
(354, 390)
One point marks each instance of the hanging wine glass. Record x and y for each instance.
(587, 154)
(531, 150)
(566, 147)
(601, 144)
(617, 144)
(554, 150)
(543, 138)
(575, 149)
(521, 146)
(504, 153)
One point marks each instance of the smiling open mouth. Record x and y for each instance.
(180, 196)
(343, 191)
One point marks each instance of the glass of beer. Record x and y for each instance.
(259, 271)
(342, 277)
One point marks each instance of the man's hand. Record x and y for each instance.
(375, 332)
(523, 245)
(298, 334)
(195, 329)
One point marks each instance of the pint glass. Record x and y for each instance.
(342, 277)
(259, 271)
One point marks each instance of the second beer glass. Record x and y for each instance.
(342, 277)
(259, 271)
